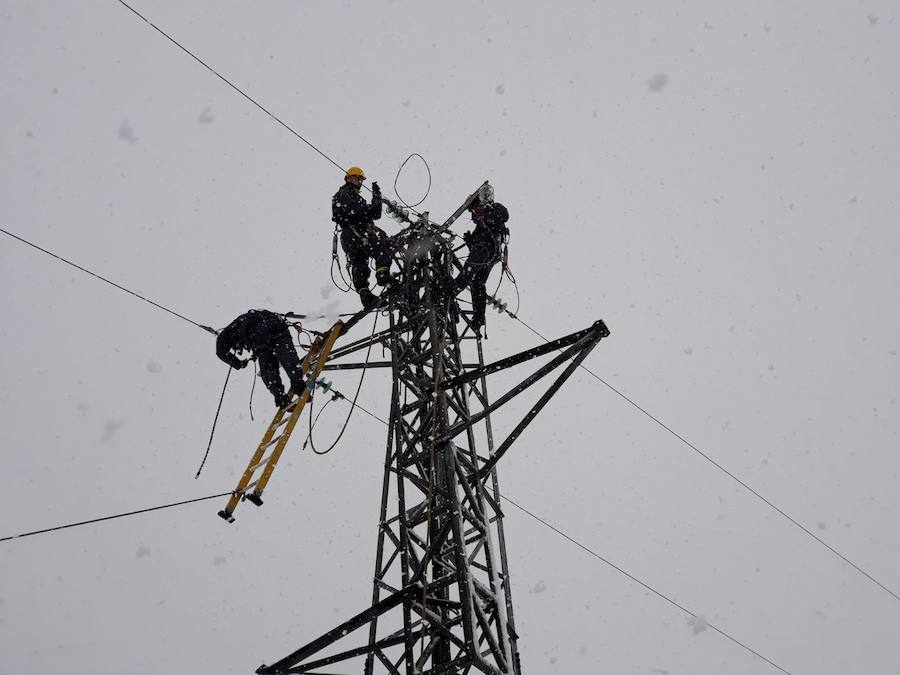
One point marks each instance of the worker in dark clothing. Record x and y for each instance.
(266, 335)
(485, 243)
(360, 238)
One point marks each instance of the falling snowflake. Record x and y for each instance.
(657, 82)
(110, 429)
(126, 132)
(698, 623)
(206, 116)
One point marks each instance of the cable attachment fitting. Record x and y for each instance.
(327, 386)
(397, 212)
(500, 305)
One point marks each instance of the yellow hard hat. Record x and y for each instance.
(355, 171)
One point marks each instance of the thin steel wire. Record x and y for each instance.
(118, 515)
(728, 473)
(111, 283)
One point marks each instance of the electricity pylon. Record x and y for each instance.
(442, 598)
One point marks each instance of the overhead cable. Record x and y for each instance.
(216, 419)
(226, 81)
(721, 468)
(118, 515)
(111, 283)
(624, 572)
(362, 376)
(641, 583)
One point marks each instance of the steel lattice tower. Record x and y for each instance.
(442, 599)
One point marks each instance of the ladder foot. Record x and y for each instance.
(254, 498)
(226, 515)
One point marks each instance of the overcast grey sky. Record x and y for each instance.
(717, 181)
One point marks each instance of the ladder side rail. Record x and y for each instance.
(252, 465)
(321, 357)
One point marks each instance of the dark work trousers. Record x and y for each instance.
(483, 255)
(360, 245)
(272, 350)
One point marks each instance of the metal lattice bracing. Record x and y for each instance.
(442, 598)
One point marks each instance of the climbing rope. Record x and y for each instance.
(362, 377)
(344, 286)
(215, 421)
(397, 177)
(313, 422)
(252, 389)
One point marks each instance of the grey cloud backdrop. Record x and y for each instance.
(715, 180)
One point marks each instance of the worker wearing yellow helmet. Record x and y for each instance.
(360, 238)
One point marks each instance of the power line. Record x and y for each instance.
(111, 283)
(623, 396)
(226, 81)
(118, 515)
(723, 469)
(341, 396)
(641, 583)
(619, 569)
(190, 501)
(506, 498)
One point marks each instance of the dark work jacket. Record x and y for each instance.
(350, 209)
(488, 236)
(252, 331)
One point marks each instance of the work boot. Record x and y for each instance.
(369, 299)
(282, 400)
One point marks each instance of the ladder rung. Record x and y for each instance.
(272, 442)
(243, 493)
(253, 468)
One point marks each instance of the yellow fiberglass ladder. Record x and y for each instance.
(284, 421)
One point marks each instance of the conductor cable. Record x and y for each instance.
(111, 283)
(113, 517)
(722, 469)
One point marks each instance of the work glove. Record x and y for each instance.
(237, 364)
(376, 191)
